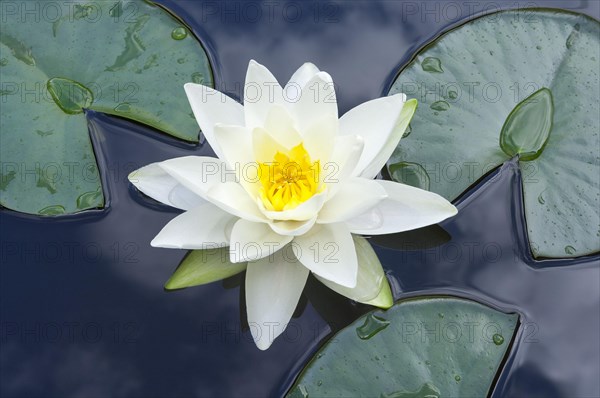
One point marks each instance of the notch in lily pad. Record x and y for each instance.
(528, 126)
(393, 354)
(119, 79)
(551, 129)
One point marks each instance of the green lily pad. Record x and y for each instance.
(514, 83)
(128, 58)
(433, 347)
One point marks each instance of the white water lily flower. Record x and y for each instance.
(291, 186)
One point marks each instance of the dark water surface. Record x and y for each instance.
(82, 308)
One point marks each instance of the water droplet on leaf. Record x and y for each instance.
(88, 199)
(179, 33)
(541, 199)
(440, 106)
(373, 325)
(571, 39)
(498, 339)
(432, 65)
(197, 77)
(52, 210)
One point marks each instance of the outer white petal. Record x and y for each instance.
(338, 169)
(292, 90)
(292, 228)
(203, 227)
(233, 198)
(355, 196)
(374, 121)
(328, 251)
(406, 208)
(211, 107)
(373, 168)
(372, 286)
(304, 211)
(196, 173)
(261, 92)
(317, 101)
(153, 181)
(252, 241)
(184, 199)
(273, 288)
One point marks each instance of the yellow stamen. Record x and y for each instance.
(290, 179)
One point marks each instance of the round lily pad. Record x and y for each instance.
(424, 347)
(128, 58)
(514, 83)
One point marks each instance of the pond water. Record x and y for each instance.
(82, 308)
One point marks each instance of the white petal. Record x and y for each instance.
(265, 146)
(374, 121)
(406, 208)
(233, 198)
(211, 107)
(261, 92)
(292, 90)
(184, 199)
(203, 227)
(273, 287)
(355, 196)
(319, 138)
(370, 282)
(304, 211)
(252, 241)
(373, 168)
(280, 125)
(197, 173)
(339, 168)
(317, 101)
(153, 181)
(234, 142)
(292, 228)
(328, 251)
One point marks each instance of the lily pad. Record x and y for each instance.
(128, 58)
(514, 83)
(434, 347)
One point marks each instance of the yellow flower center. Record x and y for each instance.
(290, 179)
